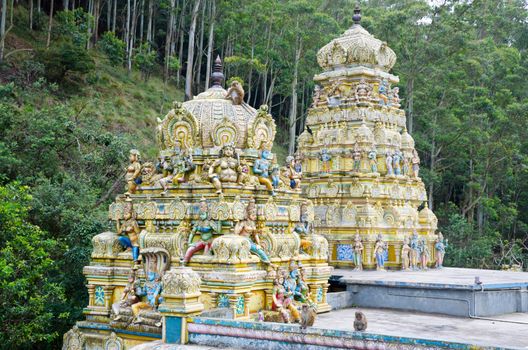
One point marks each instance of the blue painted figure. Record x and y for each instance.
(383, 91)
(152, 291)
(275, 176)
(325, 158)
(129, 232)
(261, 168)
(380, 253)
(440, 248)
(373, 161)
(396, 159)
(415, 251)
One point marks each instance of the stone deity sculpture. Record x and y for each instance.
(262, 166)
(247, 228)
(380, 253)
(440, 248)
(415, 252)
(282, 301)
(151, 289)
(358, 252)
(226, 169)
(405, 254)
(395, 97)
(383, 92)
(405, 168)
(415, 160)
(325, 159)
(129, 232)
(363, 90)
(292, 174)
(133, 172)
(388, 164)
(205, 228)
(356, 157)
(373, 161)
(304, 229)
(424, 253)
(129, 296)
(396, 159)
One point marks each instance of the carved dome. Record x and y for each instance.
(407, 142)
(356, 47)
(212, 119)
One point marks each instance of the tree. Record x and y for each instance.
(190, 51)
(27, 290)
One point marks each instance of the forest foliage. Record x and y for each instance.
(84, 81)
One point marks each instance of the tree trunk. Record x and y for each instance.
(293, 106)
(190, 52)
(30, 14)
(210, 43)
(142, 20)
(168, 39)
(65, 4)
(198, 69)
(149, 20)
(108, 15)
(39, 6)
(3, 19)
(50, 24)
(127, 38)
(114, 20)
(132, 34)
(97, 15)
(410, 105)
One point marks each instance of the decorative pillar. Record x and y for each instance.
(91, 294)
(108, 294)
(247, 297)
(397, 252)
(181, 291)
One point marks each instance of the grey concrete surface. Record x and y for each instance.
(507, 331)
(450, 291)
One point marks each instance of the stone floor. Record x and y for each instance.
(508, 331)
(447, 276)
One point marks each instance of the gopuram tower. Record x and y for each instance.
(213, 224)
(360, 165)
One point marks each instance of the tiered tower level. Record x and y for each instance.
(360, 165)
(212, 201)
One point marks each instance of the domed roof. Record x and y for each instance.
(407, 142)
(356, 47)
(213, 119)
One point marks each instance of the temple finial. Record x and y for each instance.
(217, 77)
(357, 14)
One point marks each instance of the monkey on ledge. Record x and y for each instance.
(235, 93)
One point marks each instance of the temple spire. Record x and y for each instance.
(217, 76)
(357, 14)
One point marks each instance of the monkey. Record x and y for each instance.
(308, 315)
(360, 323)
(235, 93)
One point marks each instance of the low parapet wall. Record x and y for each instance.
(260, 335)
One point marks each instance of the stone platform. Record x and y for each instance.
(450, 291)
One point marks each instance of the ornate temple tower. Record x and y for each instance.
(360, 165)
(215, 201)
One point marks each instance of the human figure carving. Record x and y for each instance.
(205, 228)
(129, 231)
(380, 253)
(440, 248)
(226, 168)
(262, 166)
(247, 228)
(358, 252)
(133, 172)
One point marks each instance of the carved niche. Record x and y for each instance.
(178, 125)
(263, 129)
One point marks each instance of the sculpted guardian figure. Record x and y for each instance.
(133, 172)
(225, 169)
(129, 232)
(262, 167)
(247, 228)
(358, 253)
(440, 249)
(205, 228)
(380, 253)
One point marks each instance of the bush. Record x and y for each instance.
(113, 47)
(65, 58)
(73, 25)
(145, 60)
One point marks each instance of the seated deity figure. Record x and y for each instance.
(363, 91)
(415, 252)
(226, 169)
(283, 302)
(373, 161)
(357, 247)
(247, 228)
(290, 282)
(262, 166)
(304, 229)
(440, 248)
(182, 165)
(383, 92)
(129, 232)
(424, 253)
(151, 289)
(388, 164)
(133, 172)
(129, 296)
(394, 96)
(396, 159)
(205, 228)
(301, 290)
(275, 177)
(405, 254)
(415, 160)
(356, 157)
(380, 253)
(292, 173)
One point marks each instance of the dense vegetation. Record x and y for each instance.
(83, 81)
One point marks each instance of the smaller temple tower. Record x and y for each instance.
(360, 165)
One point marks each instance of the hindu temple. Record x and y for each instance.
(215, 224)
(360, 165)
